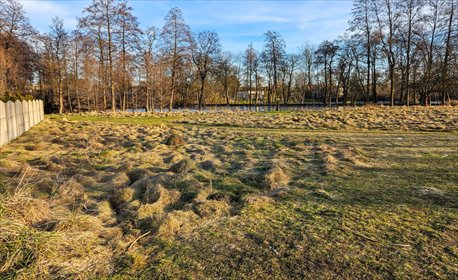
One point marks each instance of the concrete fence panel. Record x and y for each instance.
(11, 119)
(35, 111)
(25, 112)
(42, 109)
(32, 110)
(18, 117)
(29, 104)
(3, 125)
(34, 115)
(40, 105)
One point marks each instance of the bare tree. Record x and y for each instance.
(388, 25)
(291, 65)
(18, 58)
(362, 25)
(224, 71)
(100, 19)
(128, 34)
(175, 46)
(77, 41)
(59, 41)
(274, 49)
(249, 61)
(413, 11)
(325, 55)
(308, 61)
(449, 11)
(205, 51)
(344, 68)
(148, 44)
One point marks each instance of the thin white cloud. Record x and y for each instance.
(44, 7)
(42, 12)
(237, 22)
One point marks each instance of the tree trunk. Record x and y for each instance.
(391, 85)
(202, 92)
(110, 58)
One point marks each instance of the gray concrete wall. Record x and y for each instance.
(18, 117)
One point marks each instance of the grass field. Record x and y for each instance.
(356, 193)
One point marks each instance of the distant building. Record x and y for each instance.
(245, 95)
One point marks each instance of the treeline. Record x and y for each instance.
(396, 51)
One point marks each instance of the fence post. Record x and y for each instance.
(11, 116)
(19, 118)
(3, 125)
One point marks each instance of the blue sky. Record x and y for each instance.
(237, 22)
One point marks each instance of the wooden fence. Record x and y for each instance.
(18, 117)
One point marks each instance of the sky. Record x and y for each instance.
(238, 23)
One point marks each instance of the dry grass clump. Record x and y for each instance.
(23, 208)
(183, 166)
(54, 167)
(257, 201)
(85, 181)
(177, 222)
(72, 222)
(212, 208)
(149, 214)
(352, 155)
(36, 245)
(172, 157)
(139, 173)
(122, 195)
(212, 204)
(175, 140)
(120, 179)
(10, 166)
(140, 186)
(22, 247)
(69, 190)
(105, 213)
(327, 153)
(276, 178)
(37, 147)
(124, 167)
(154, 192)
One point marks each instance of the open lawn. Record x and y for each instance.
(358, 193)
